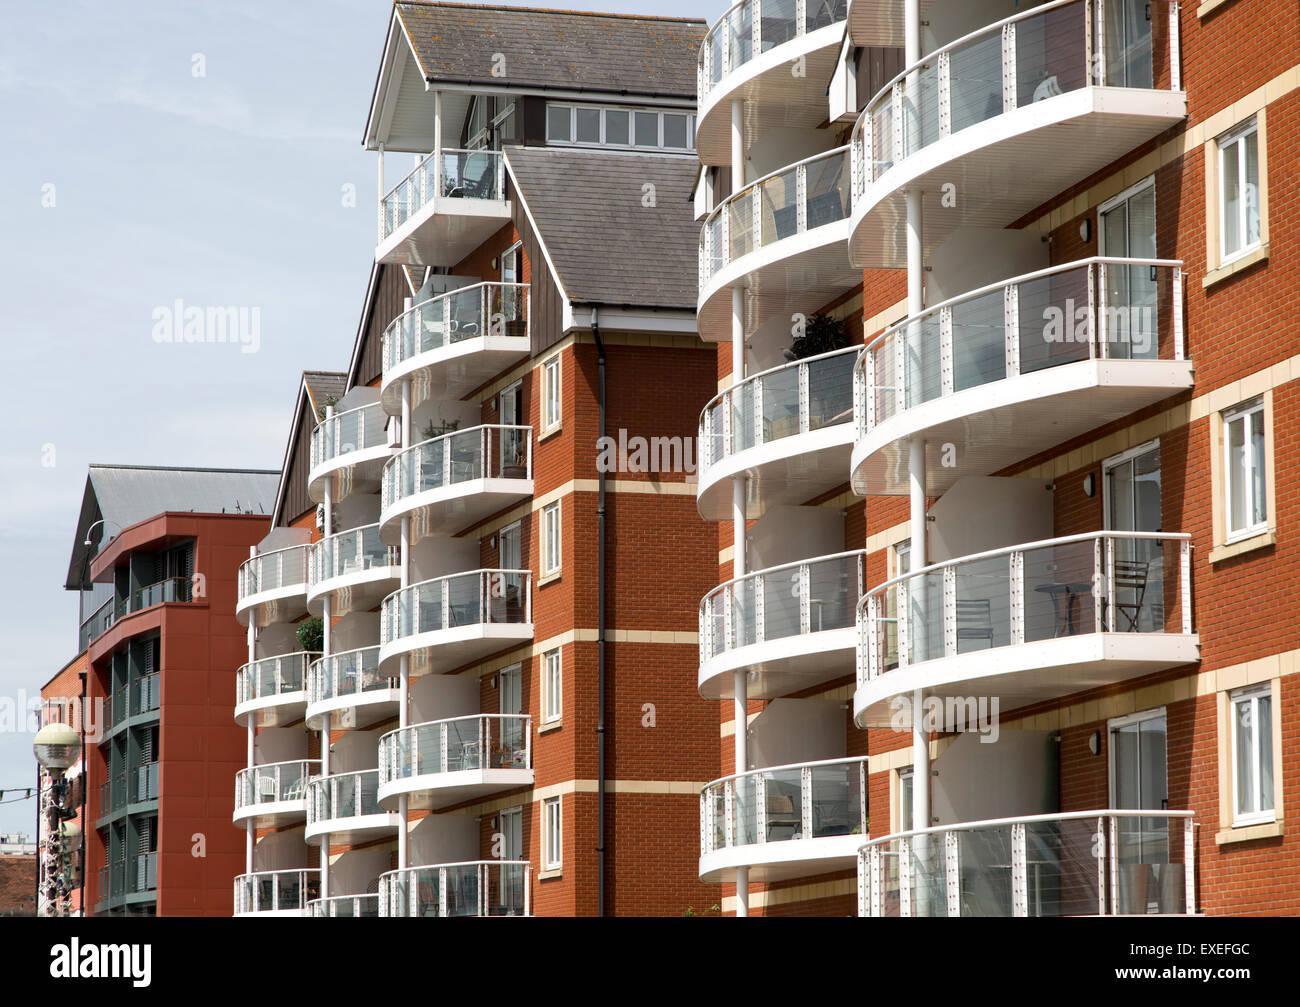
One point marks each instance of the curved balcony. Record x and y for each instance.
(784, 822)
(451, 344)
(1083, 863)
(272, 691)
(273, 794)
(345, 905)
(979, 125)
(1024, 625)
(348, 685)
(788, 627)
(449, 622)
(446, 762)
(348, 451)
(783, 238)
(444, 209)
(453, 482)
(788, 429)
(354, 569)
(272, 586)
(1010, 370)
(748, 56)
(474, 888)
(345, 807)
(276, 893)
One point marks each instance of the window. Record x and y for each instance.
(646, 129)
(1239, 203)
(559, 124)
(551, 694)
(1252, 755)
(551, 394)
(1245, 471)
(551, 834)
(551, 540)
(904, 800)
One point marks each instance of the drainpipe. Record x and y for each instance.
(601, 683)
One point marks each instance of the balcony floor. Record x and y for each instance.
(783, 861)
(779, 667)
(444, 231)
(788, 471)
(432, 791)
(446, 650)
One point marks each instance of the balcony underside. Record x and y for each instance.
(784, 860)
(357, 591)
(356, 711)
(779, 667)
(442, 790)
(284, 604)
(774, 97)
(272, 814)
(451, 372)
(789, 471)
(444, 231)
(354, 830)
(449, 649)
(880, 23)
(355, 472)
(1025, 674)
(999, 170)
(451, 509)
(272, 711)
(995, 425)
(798, 274)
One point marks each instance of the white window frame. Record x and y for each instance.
(552, 394)
(552, 686)
(1252, 695)
(906, 783)
(631, 111)
(1237, 138)
(1115, 723)
(552, 558)
(552, 835)
(1242, 413)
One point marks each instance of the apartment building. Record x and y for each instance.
(1045, 667)
(154, 556)
(471, 636)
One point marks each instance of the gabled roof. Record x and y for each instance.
(618, 228)
(314, 393)
(122, 495)
(547, 49)
(324, 388)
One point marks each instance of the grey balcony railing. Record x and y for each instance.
(350, 552)
(477, 888)
(1085, 863)
(343, 795)
(345, 905)
(348, 673)
(786, 401)
(1111, 582)
(481, 741)
(485, 452)
(112, 881)
(270, 677)
(814, 800)
(477, 597)
(753, 27)
(98, 623)
(146, 694)
(146, 872)
(343, 433)
(1047, 51)
(274, 782)
(120, 703)
(270, 571)
(276, 891)
(796, 599)
(482, 309)
(144, 783)
(460, 174)
(1092, 309)
(793, 200)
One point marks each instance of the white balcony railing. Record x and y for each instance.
(345, 905)
(272, 676)
(275, 891)
(478, 597)
(786, 401)
(350, 552)
(811, 801)
(483, 309)
(346, 432)
(802, 197)
(485, 452)
(343, 795)
(753, 27)
(270, 571)
(347, 673)
(460, 174)
(796, 599)
(479, 742)
(1093, 309)
(475, 888)
(1047, 51)
(1102, 582)
(274, 783)
(1085, 863)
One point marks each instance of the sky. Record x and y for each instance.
(156, 150)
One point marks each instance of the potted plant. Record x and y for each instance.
(311, 635)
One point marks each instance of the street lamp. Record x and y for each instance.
(57, 748)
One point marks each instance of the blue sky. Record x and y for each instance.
(222, 189)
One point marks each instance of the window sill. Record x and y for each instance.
(1261, 541)
(550, 578)
(1235, 266)
(1245, 833)
(546, 435)
(1209, 6)
(551, 875)
(554, 725)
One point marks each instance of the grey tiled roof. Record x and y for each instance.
(554, 49)
(325, 387)
(608, 246)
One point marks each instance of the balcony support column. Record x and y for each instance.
(404, 665)
(739, 683)
(326, 726)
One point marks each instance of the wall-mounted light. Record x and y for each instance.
(492, 541)
(494, 263)
(1090, 484)
(492, 682)
(1094, 743)
(1085, 230)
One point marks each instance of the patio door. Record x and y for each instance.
(510, 727)
(1128, 231)
(1133, 503)
(1139, 780)
(1127, 34)
(510, 890)
(512, 448)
